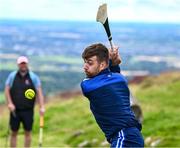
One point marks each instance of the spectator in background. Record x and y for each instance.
(22, 107)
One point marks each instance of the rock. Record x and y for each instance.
(94, 141)
(155, 143)
(104, 143)
(148, 140)
(84, 144)
(78, 133)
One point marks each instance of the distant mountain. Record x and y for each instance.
(55, 47)
(69, 38)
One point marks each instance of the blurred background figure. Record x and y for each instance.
(21, 90)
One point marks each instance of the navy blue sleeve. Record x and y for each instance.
(115, 68)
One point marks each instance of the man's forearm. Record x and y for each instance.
(41, 101)
(40, 98)
(114, 68)
(114, 61)
(9, 101)
(7, 95)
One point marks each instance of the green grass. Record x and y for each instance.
(2, 99)
(63, 120)
(159, 98)
(8, 66)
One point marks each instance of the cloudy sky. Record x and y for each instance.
(85, 10)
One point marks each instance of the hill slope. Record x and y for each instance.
(69, 122)
(160, 98)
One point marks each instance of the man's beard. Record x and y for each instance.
(23, 72)
(90, 75)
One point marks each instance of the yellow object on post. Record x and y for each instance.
(41, 121)
(41, 124)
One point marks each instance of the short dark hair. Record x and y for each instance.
(98, 50)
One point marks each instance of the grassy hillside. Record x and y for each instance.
(69, 122)
(160, 100)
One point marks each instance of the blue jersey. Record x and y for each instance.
(109, 98)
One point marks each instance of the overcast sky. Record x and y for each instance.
(85, 10)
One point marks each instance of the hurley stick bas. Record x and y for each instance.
(41, 124)
(102, 17)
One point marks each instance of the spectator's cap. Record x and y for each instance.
(22, 59)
